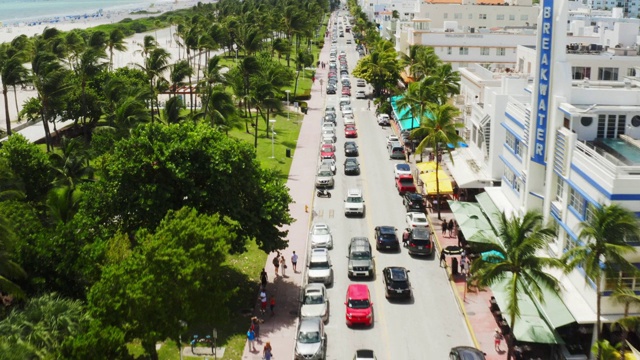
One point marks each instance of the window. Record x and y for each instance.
(464, 51)
(608, 73)
(482, 16)
(611, 126)
(570, 243)
(514, 144)
(624, 279)
(631, 72)
(589, 212)
(559, 188)
(445, 16)
(580, 72)
(511, 179)
(449, 50)
(501, 51)
(512, 17)
(470, 16)
(524, 17)
(457, 16)
(577, 202)
(500, 17)
(484, 51)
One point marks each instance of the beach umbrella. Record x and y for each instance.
(452, 250)
(491, 256)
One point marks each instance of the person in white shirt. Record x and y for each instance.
(294, 262)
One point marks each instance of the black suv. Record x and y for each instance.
(420, 242)
(386, 238)
(413, 202)
(396, 282)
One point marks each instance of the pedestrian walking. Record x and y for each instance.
(251, 337)
(445, 227)
(276, 263)
(283, 265)
(266, 352)
(263, 279)
(443, 259)
(369, 105)
(463, 267)
(405, 236)
(255, 326)
(263, 302)
(272, 305)
(450, 227)
(497, 339)
(294, 262)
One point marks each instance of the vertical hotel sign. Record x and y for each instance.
(542, 85)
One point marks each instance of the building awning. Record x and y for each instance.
(531, 326)
(426, 166)
(429, 183)
(466, 172)
(408, 124)
(489, 209)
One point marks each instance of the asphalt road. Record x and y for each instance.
(424, 328)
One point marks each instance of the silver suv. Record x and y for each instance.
(311, 341)
(324, 177)
(354, 203)
(320, 267)
(360, 258)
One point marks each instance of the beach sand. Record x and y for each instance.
(120, 59)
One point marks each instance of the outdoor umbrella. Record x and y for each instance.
(491, 256)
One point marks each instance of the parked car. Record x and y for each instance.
(324, 177)
(466, 353)
(414, 202)
(401, 169)
(321, 236)
(354, 203)
(417, 220)
(386, 238)
(351, 166)
(350, 148)
(320, 268)
(315, 302)
(360, 258)
(359, 305)
(311, 341)
(396, 282)
(350, 131)
(420, 242)
(404, 183)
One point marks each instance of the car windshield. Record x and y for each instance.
(354, 199)
(417, 219)
(313, 299)
(321, 231)
(407, 182)
(309, 337)
(403, 167)
(420, 233)
(325, 173)
(350, 146)
(358, 304)
(360, 255)
(319, 265)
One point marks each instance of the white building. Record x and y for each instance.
(561, 134)
(631, 8)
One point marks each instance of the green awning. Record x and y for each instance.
(554, 309)
(472, 221)
(489, 208)
(532, 325)
(464, 209)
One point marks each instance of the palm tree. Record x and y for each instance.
(517, 262)
(8, 268)
(628, 324)
(426, 61)
(221, 109)
(437, 130)
(71, 164)
(115, 42)
(179, 71)
(156, 62)
(601, 253)
(12, 73)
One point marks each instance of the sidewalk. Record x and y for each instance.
(280, 329)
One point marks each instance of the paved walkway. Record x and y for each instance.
(280, 329)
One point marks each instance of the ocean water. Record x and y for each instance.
(16, 11)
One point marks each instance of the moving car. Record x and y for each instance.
(361, 83)
(396, 150)
(420, 242)
(354, 203)
(320, 268)
(315, 302)
(329, 132)
(404, 183)
(346, 91)
(324, 177)
(386, 238)
(348, 119)
(401, 169)
(466, 353)
(351, 166)
(360, 258)
(396, 282)
(328, 151)
(384, 120)
(330, 118)
(359, 305)
(331, 163)
(360, 94)
(364, 354)
(417, 220)
(350, 131)
(331, 89)
(350, 148)
(391, 139)
(414, 202)
(321, 236)
(311, 341)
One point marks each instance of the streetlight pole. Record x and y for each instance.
(288, 91)
(215, 350)
(273, 133)
(183, 324)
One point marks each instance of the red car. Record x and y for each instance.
(346, 91)
(359, 305)
(328, 152)
(350, 131)
(404, 183)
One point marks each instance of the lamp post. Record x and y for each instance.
(273, 133)
(215, 337)
(288, 91)
(183, 324)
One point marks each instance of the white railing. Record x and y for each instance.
(600, 159)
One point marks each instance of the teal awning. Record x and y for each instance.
(403, 115)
